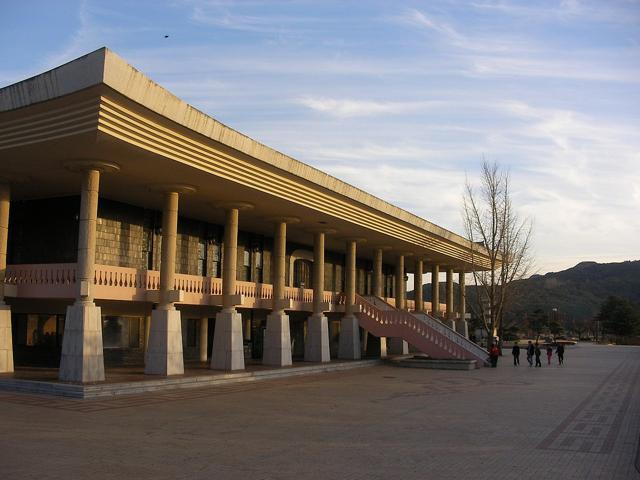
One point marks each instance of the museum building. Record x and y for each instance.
(136, 230)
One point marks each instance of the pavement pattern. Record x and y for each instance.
(580, 421)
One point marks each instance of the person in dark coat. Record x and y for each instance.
(560, 353)
(538, 353)
(549, 354)
(530, 351)
(515, 351)
(494, 353)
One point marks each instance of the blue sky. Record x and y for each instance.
(401, 98)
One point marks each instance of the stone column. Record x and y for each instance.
(378, 285)
(435, 290)
(417, 285)
(228, 351)
(451, 318)
(463, 326)
(316, 345)
(401, 287)
(349, 347)
(147, 329)
(6, 341)
(204, 337)
(82, 357)
(377, 272)
(277, 337)
(164, 350)
(397, 345)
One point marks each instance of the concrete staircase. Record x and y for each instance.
(424, 332)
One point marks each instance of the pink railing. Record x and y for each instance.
(55, 280)
(122, 283)
(423, 332)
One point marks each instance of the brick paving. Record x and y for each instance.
(581, 421)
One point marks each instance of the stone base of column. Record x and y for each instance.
(383, 347)
(397, 346)
(6, 340)
(227, 352)
(277, 341)
(316, 345)
(82, 357)
(164, 350)
(451, 323)
(349, 348)
(463, 328)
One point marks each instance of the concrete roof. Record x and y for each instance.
(104, 67)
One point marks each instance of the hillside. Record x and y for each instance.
(576, 292)
(579, 291)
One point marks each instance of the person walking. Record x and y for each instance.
(549, 354)
(530, 351)
(560, 353)
(515, 351)
(494, 353)
(538, 353)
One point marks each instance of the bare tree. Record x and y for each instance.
(495, 230)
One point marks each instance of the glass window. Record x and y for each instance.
(192, 332)
(37, 330)
(202, 258)
(120, 332)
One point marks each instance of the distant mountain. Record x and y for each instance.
(577, 292)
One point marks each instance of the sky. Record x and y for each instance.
(404, 99)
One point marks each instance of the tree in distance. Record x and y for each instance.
(496, 230)
(618, 317)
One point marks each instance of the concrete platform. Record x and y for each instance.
(434, 363)
(128, 381)
(576, 422)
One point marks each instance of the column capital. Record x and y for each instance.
(325, 230)
(283, 219)
(354, 239)
(82, 165)
(181, 188)
(11, 178)
(384, 248)
(224, 205)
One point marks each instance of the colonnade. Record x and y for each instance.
(82, 349)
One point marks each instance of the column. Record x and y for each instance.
(378, 285)
(277, 337)
(451, 318)
(147, 329)
(417, 285)
(316, 345)
(435, 290)
(377, 272)
(349, 348)
(227, 351)
(463, 326)
(164, 349)
(204, 337)
(397, 345)
(401, 285)
(82, 355)
(6, 341)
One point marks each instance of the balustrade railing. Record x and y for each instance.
(123, 283)
(422, 331)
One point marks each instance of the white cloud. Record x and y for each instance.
(353, 108)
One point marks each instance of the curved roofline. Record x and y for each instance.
(103, 66)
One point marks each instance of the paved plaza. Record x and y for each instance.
(577, 422)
